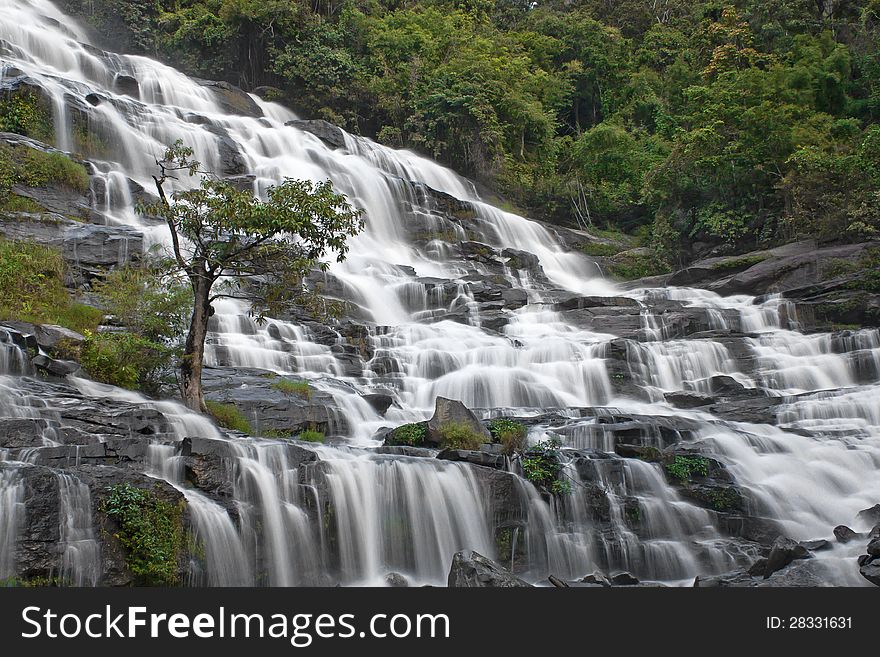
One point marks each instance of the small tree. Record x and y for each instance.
(258, 250)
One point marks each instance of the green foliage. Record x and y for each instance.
(723, 124)
(413, 434)
(150, 530)
(541, 466)
(311, 436)
(291, 387)
(241, 237)
(32, 288)
(16, 203)
(684, 468)
(458, 435)
(510, 433)
(124, 359)
(630, 265)
(228, 416)
(152, 305)
(25, 114)
(21, 165)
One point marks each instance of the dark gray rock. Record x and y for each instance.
(472, 570)
(380, 402)
(624, 579)
(783, 552)
(327, 132)
(396, 580)
(874, 547)
(871, 571)
(688, 399)
(477, 457)
(870, 516)
(53, 367)
(844, 534)
(232, 99)
(126, 84)
(598, 579)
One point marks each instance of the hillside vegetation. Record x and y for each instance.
(728, 124)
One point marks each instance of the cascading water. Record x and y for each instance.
(352, 515)
(80, 561)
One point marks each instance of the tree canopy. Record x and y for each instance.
(712, 123)
(257, 250)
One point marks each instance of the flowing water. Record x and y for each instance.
(352, 515)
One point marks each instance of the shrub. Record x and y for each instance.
(311, 436)
(123, 359)
(150, 531)
(148, 300)
(457, 435)
(228, 416)
(542, 467)
(630, 266)
(510, 433)
(412, 435)
(25, 114)
(32, 288)
(290, 387)
(685, 467)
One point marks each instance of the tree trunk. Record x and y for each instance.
(194, 351)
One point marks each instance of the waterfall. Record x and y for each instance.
(506, 338)
(11, 517)
(81, 556)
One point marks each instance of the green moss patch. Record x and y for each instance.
(228, 416)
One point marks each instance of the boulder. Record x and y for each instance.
(869, 516)
(379, 402)
(450, 411)
(472, 570)
(783, 552)
(624, 579)
(231, 99)
(128, 85)
(396, 580)
(53, 367)
(871, 571)
(874, 547)
(330, 134)
(844, 534)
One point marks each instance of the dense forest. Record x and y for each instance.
(696, 125)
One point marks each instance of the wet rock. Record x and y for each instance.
(232, 99)
(53, 367)
(816, 545)
(379, 402)
(783, 552)
(268, 408)
(128, 85)
(596, 578)
(396, 580)
(688, 399)
(725, 385)
(327, 132)
(450, 411)
(477, 457)
(624, 579)
(844, 534)
(871, 571)
(472, 570)
(874, 547)
(870, 516)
